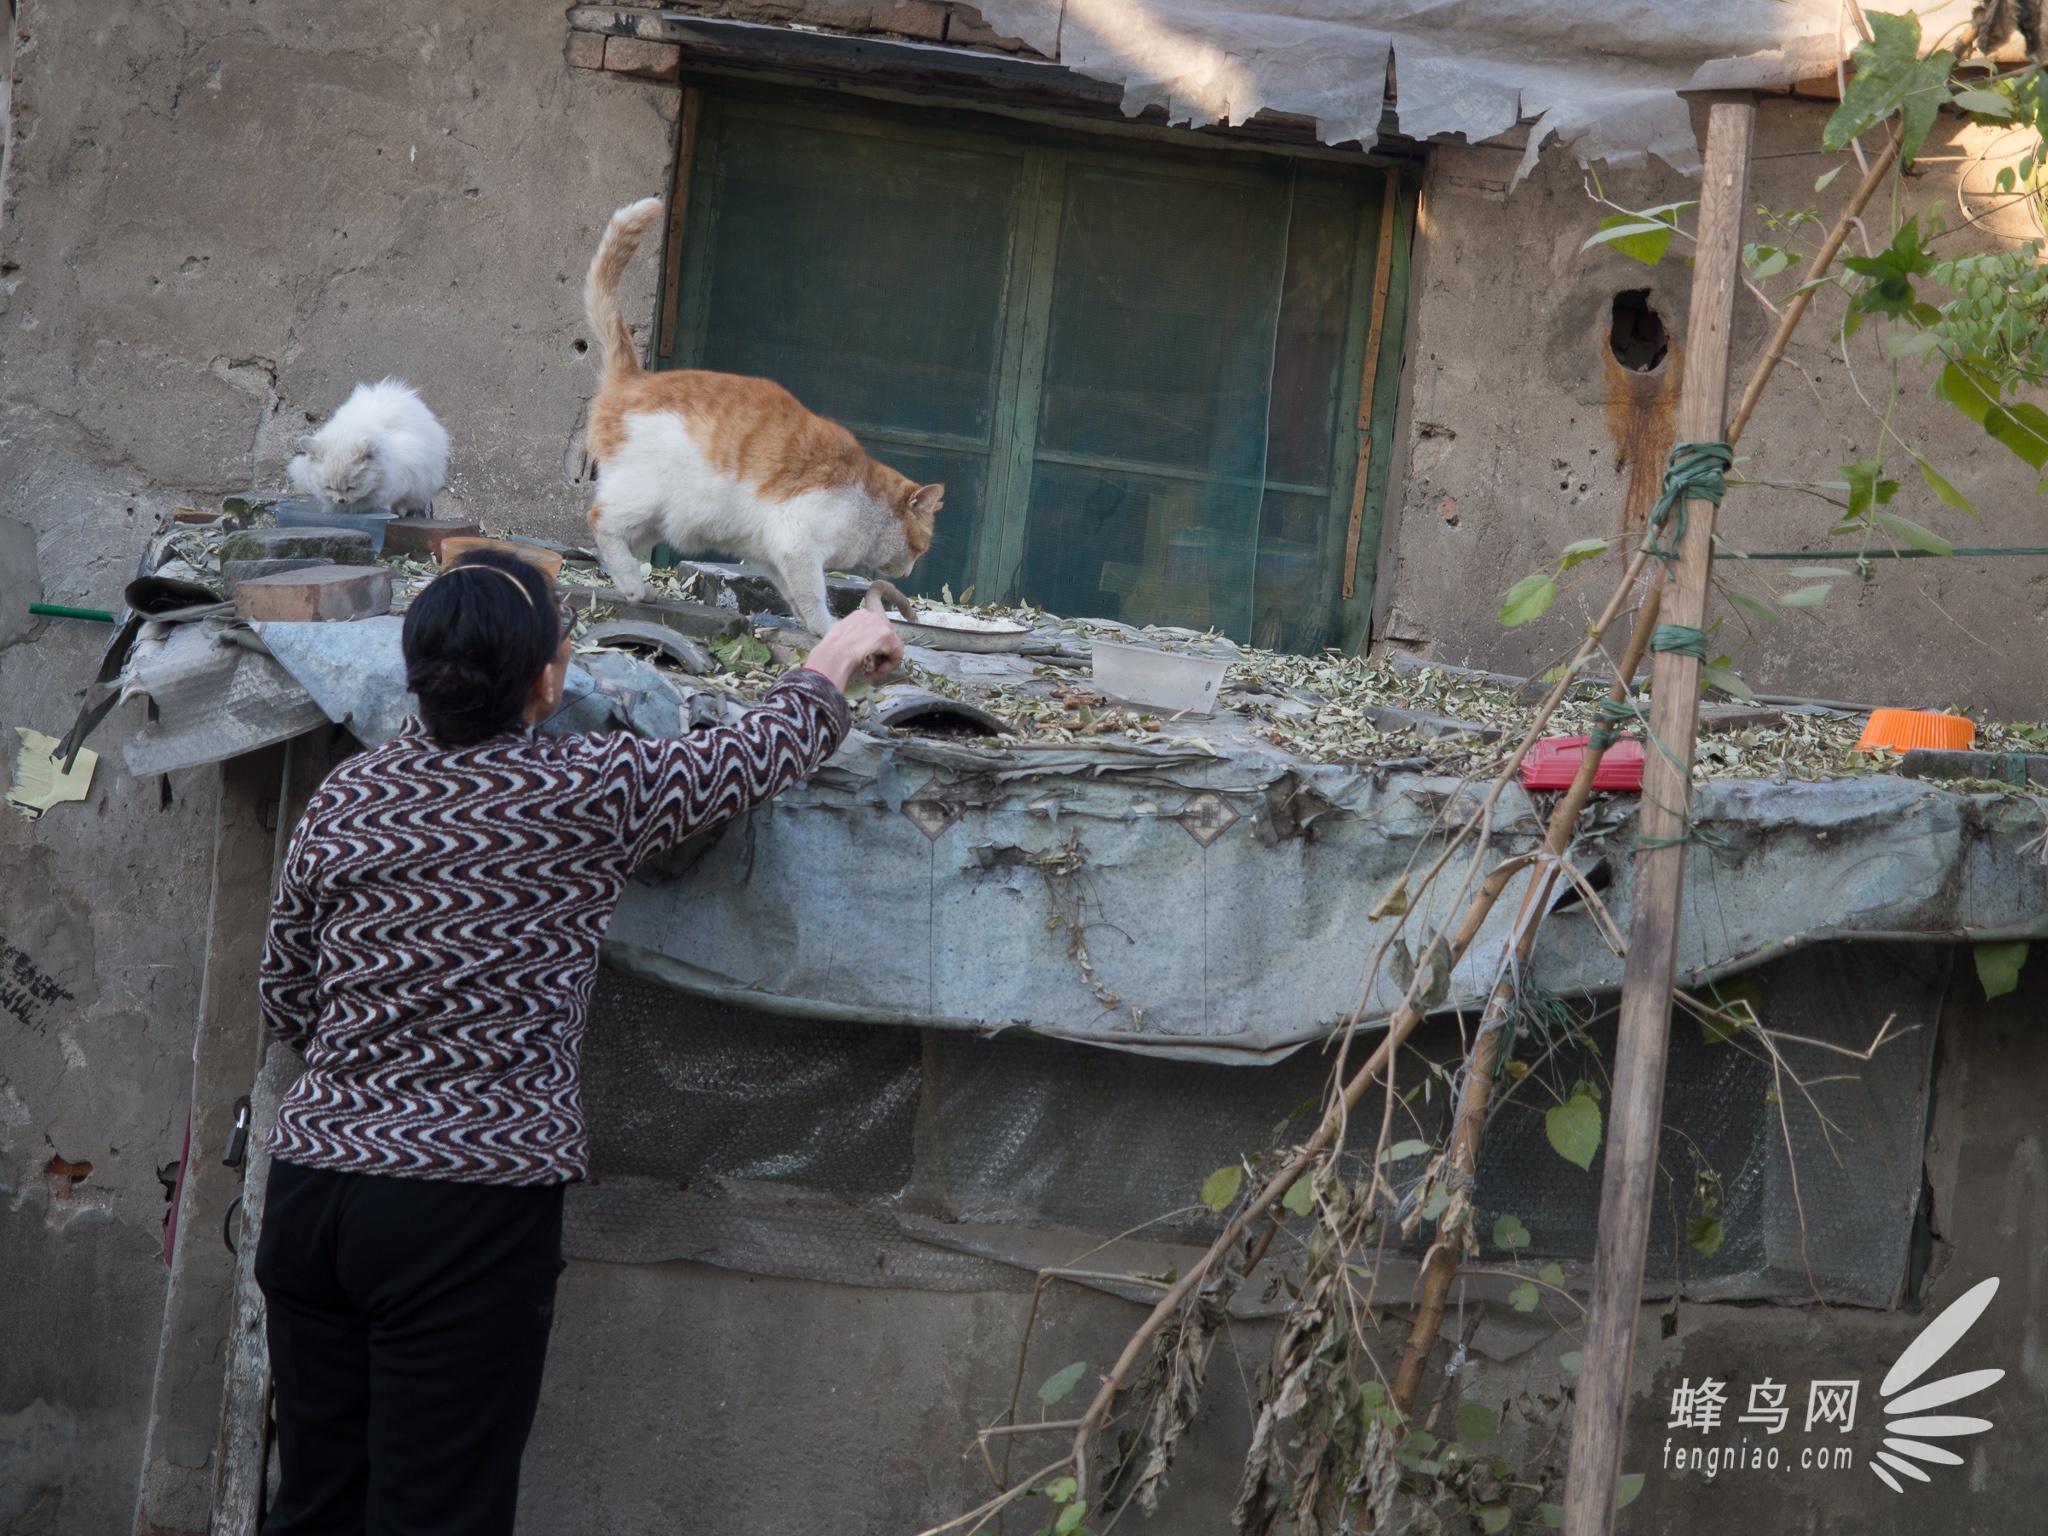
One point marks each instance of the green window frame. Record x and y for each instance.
(1094, 308)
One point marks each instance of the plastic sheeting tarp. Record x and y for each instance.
(1602, 75)
(1219, 907)
(938, 1161)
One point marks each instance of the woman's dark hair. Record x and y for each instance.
(474, 640)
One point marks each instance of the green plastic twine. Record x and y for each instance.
(1694, 471)
(1680, 640)
(1612, 721)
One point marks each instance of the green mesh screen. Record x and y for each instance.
(1134, 371)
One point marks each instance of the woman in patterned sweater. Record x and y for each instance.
(431, 955)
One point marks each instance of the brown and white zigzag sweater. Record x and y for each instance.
(435, 937)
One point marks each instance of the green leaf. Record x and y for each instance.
(2012, 427)
(1998, 967)
(1301, 1196)
(1571, 1360)
(1553, 1516)
(1061, 1382)
(1221, 1187)
(1948, 493)
(1984, 103)
(1752, 607)
(1508, 1232)
(1714, 675)
(1972, 393)
(1626, 1490)
(1433, 1207)
(1910, 532)
(1070, 1518)
(1583, 550)
(1574, 1129)
(1477, 1423)
(1862, 481)
(1551, 1273)
(1736, 999)
(1523, 1298)
(1646, 236)
(1704, 1233)
(1494, 1518)
(1820, 182)
(1060, 1489)
(1807, 597)
(1911, 343)
(1772, 264)
(739, 652)
(1891, 272)
(1892, 77)
(1401, 1151)
(1529, 598)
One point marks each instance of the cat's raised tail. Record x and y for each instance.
(601, 284)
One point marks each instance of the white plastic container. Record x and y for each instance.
(1162, 680)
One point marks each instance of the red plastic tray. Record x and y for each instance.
(1554, 762)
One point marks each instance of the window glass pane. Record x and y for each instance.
(1292, 609)
(865, 274)
(1321, 254)
(1152, 436)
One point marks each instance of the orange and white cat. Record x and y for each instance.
(717, 461)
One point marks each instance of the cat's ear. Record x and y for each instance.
(306, 443)
(926, 500)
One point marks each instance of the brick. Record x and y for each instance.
(344, 546)
(636, 56)
(423, 535)
(1819, 88)
(586, 50)
(328, 592)
(920, 19)
(547, 561)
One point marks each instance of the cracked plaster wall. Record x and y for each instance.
(1511, 446)
(216, 219)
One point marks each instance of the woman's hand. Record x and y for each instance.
(861, 637)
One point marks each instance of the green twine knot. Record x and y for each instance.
(1681, 640)
(1612, 720)
(1694, 471)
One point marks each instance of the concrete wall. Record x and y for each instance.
(216, 219)
(1516, 423)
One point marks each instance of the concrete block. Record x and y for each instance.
(342, 546)
(328, 592)
(423, 535)
(235, 572)
(920, 19)
(635, 56)
(586, 50)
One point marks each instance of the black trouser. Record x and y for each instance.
(408, 1324)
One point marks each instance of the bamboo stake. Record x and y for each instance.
(678, 210)
(1638, 1086)
(1440, 1267)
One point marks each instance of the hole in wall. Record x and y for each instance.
(1637, 337)
(579, 346)
(1598, 879)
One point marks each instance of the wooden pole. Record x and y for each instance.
(1638, 1085)
(678, 210)
(1368, 383)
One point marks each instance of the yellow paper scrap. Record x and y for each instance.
(39, 778)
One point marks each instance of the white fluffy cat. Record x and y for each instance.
(383, 448)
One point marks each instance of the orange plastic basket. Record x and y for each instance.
(1901, 729)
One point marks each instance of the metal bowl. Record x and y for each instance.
(939, 629)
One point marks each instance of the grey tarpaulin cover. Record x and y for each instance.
(1602, 75)
(936, 1160)
(214, 698)
(1222, 903)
